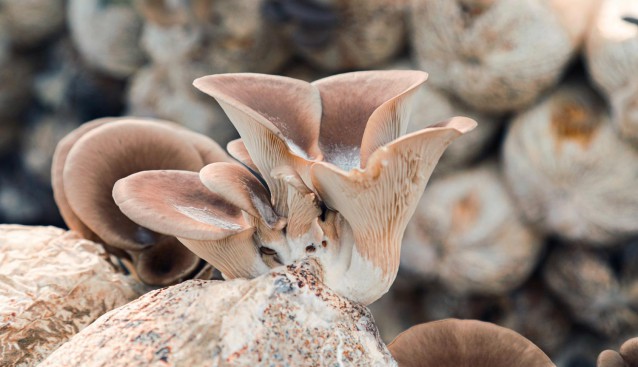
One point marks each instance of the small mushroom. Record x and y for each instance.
(570, 173)
(468, 235)
(497, 55)
(627, 356)
(343, 199)
(106, 33)
(89, 161)
(612, 58)
(462, 343)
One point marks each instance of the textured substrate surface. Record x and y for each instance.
(284, 318)
(52, 284)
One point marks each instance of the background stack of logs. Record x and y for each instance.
(531, 221)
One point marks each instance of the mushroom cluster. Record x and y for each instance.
(89, 161)
(309, 186)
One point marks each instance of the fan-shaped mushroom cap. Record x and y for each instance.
(491, 55)
(462, 221)
(367, 173)
(627, 357)
(378, 202)
(242, 188)
(612, 59)
(90, 160)
(90, 178)
(570, 172)
(178, 204)
(461, 343)
(57, 182)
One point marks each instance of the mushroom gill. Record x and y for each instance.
(89, 161)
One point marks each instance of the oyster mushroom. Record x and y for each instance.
(612, 58)
(497, 55)
(568, 170)
(89, 161)
(343, 198)
(460, 224)
(627, 356)
(461, 343)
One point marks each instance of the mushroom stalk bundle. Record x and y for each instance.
(327, 174)
(568, 170)
(497, 55)
(612, 60)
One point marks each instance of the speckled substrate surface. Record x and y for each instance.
(284, 318)
(53, 283)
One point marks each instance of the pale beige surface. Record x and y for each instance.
(285, 318)
(52, 284)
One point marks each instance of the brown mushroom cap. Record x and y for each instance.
(379, 201)
(627, 357)
(610, 358)
(242, 189)
(275, 132)
(103, 156)
(629, 352)
(91, 159)
(460, 343)
(57, 182)
(372, 103)
(177, 203)
(237, 150)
